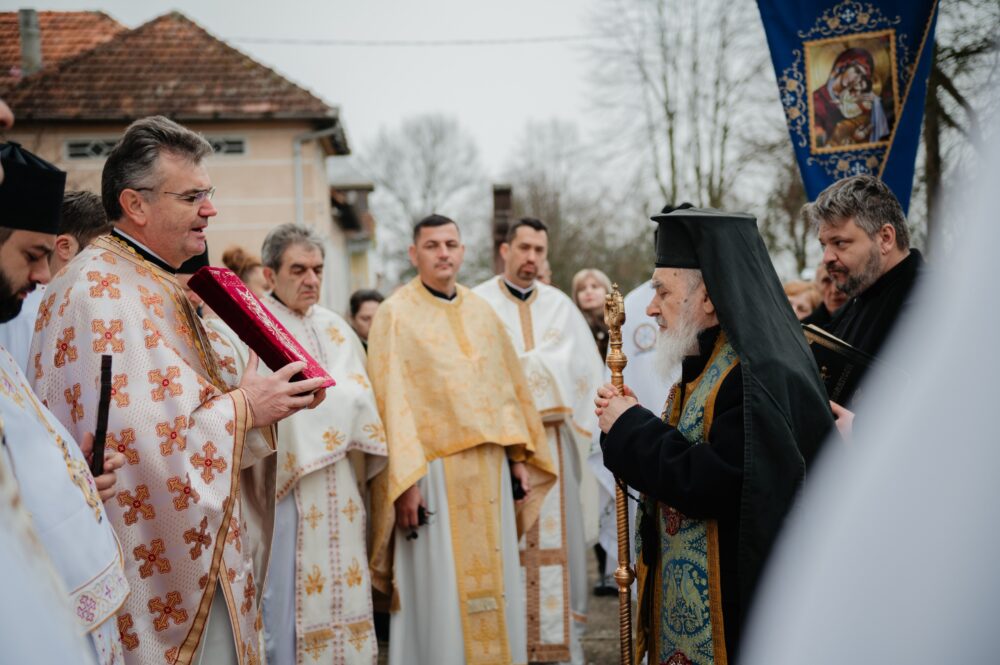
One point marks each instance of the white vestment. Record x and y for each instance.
(638, 343)
(59, 493)
(15, 335)
(32, 588)
(563, 369)
(318, 605)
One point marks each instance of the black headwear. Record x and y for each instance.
(32, 191)
(191, 266)
(786, 414)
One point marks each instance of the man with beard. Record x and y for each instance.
(65, 501)
(563, 369)
(866, 249)
(719, 473)
(82, 219)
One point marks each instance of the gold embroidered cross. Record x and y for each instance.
(167, 610)
(38, 366)
(107, 335)
(136, 505)
(72, 396)
(316, 642)
(335, 335)
(375, 431)
(118, 382)
(200, 537)
(155, 337)
(172, 435)
(333, 439)
(64, 303)
(165, 383)
(350, 510)
(353, 575)
(152, 559)
(123, 444)
(359, 379)
(248, 594)
(64, 349)
(359, 634)
(228, 363)
(129, 640)
(313, 516)
(234, 534)
(103, 283)
(45, 312)
(151, 300)
(209, 463)
(290, 462)
(315, 581)
(185, 493)
(477, 570)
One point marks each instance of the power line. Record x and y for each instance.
(409, 43)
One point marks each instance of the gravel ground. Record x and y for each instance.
(600, 641)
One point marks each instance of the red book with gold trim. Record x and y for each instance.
(228, 296)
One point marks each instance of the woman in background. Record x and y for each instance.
(247, 267)
(589, 288)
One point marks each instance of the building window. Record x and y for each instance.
(101, 148)
(228, 146)
(89, 148)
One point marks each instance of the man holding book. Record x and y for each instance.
(719, 473)
(866, 249)
(195, 498)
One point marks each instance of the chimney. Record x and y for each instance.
(503, 211)
(31, 41)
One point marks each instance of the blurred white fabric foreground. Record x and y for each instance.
(891, 554)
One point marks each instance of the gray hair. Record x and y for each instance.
(132, 163)
(863, 198)
(283, 237)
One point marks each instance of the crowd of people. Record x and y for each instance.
(244, 514)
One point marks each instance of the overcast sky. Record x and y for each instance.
(492, 89)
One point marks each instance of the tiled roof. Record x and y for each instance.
(64, 35)
(169, 66)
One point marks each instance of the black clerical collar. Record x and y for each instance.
(693, 366)
(438, 294)
(517, 291)
(144, 252)
(905, 268)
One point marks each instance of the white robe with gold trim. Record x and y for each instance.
(563, 368)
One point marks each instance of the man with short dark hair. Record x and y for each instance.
(720, 470)
(866, 249)
(460, 423)
(81, 220)
(363, 304)
(195, 502)
(563, 367)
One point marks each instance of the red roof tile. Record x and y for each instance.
(169, 66)
(64, 35)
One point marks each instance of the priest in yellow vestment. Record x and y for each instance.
(458, 414)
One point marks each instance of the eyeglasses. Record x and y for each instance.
(198, 197)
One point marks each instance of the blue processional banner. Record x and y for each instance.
(852, 77)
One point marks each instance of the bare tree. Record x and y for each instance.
(672, 77)
(429, 164)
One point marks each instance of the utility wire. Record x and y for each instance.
(503, 41)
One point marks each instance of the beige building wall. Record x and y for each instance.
(256, 189)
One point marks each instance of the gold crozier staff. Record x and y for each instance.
(614, 317)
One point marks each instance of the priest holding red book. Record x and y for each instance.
(194, 506)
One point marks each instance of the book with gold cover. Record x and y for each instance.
(242, 311)
(840, 364)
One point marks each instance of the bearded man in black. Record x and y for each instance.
(719, 472)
